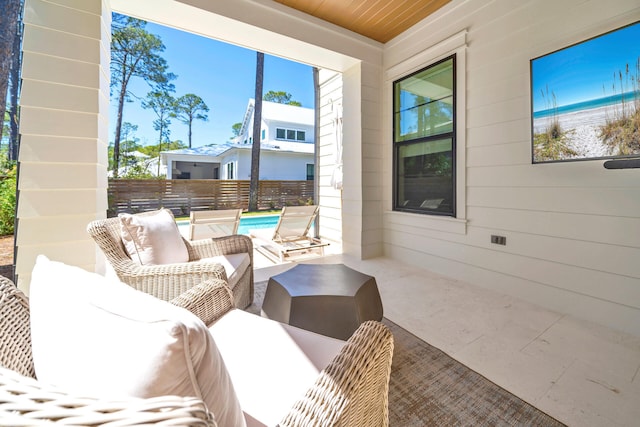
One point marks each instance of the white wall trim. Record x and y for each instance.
(456, 44)
(432, 54)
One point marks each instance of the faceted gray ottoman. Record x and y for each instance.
(329, 299)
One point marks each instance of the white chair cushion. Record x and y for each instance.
(272, 365)
(234, 265)
(100, 338)
(153, 239)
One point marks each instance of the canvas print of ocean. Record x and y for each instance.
(586, 99)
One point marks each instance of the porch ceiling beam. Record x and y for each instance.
(268, 27)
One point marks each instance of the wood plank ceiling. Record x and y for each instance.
(380, 20)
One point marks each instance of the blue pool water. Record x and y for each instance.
(255, 222)
(246, 223)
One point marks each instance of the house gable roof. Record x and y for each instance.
(276, 112)
(218, 150)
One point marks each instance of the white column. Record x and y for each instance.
(362, 189)
(329, 196)
(64, 132)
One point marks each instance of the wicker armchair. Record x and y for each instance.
(353, 390)
(26, 402)
(172, 280)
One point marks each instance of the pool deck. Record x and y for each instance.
(260, 260)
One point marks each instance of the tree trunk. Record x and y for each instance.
(160, 146)
(190, 124)
(14, 91)
(116, 138)
(8, 23)
(257, 123)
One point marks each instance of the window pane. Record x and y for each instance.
(300, 135)
(424, 103)
(425, 176)
(310, 172)
(291, 134)
(280, 133)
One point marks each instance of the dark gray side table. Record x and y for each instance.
(329, 299)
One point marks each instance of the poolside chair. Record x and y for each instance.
(291, 236)
(214, 223)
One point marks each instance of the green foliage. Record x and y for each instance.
(152, 150)
(138, 171)
(134, 53)
(622, 135)
(164, 105)
(7, 200)
(553, 143)
(622, 131)
(235, 128)
(191, 107)
(281, 97)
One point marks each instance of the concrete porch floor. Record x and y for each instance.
(581, 373)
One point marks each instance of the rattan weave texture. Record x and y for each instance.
(170, 281)
(24, 401)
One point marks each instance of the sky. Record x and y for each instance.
(223, 75)
(585, 71)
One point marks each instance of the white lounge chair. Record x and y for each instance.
(218, 223)
(291, 235)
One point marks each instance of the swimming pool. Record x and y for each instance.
(258, 221)
(247, 223)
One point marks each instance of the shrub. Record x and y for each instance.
(8, 201)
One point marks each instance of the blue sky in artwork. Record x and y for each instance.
(586, 70)
(223, 75)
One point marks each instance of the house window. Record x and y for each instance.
(264, 135)
(424, 143)
(290, 134)
(230, 170)
(310, 172)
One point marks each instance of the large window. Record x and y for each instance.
(290, 134)
(424, 141)
(230, 170)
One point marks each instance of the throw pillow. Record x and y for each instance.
(153, 238)
(96, 337)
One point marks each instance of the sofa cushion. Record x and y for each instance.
(99, 338)
(272, 365)
(153, 238)
(234, 265)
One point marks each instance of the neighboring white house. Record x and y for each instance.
(286, 149)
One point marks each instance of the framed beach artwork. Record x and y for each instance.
(585, 99)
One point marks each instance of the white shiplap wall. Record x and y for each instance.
(63, 127)
(572, 229)
(329, 197)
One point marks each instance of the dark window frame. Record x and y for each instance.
(291, 134)
(397, 145)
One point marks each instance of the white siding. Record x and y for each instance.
(63, 127)
(283, 166)
(329, 198)
(572, 229)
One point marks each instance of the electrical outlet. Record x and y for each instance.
(498, 240)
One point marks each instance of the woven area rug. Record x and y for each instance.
(429, 388)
